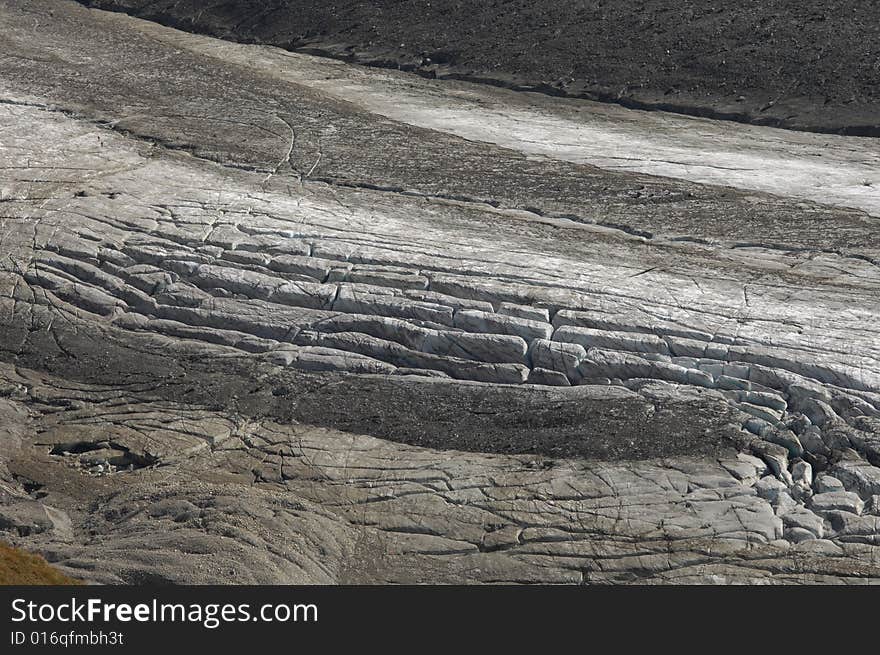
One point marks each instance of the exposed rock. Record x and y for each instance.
(561, 357)
(770, 489)
(801, 518)
(799, 535)
(524, 311)
(497, 348)
(844, 501)
(775, 456)
(812, 442)
(826, 483)
(351, 300)
(476, 321)
(594, 338)
(274, 358)
(802, 472)
(852, 528)
(787, 439)
(545, 376)
(24, 518)
(858, 476)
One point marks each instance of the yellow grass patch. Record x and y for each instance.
(20, 568)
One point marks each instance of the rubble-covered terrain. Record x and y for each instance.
(810, 64)
(255, 328)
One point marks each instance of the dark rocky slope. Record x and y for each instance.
(811, 65)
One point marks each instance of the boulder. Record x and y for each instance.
(825, 483)
(858, 476)
(844, 501)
